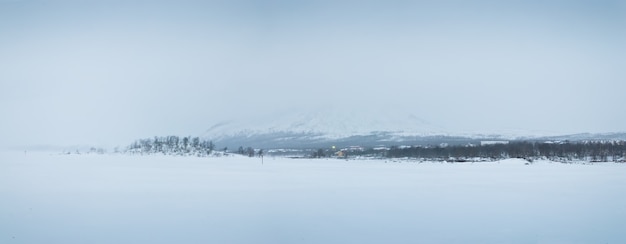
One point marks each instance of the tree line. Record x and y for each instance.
(593, 151)
(183, 146)
(250, 152)
(172, 145)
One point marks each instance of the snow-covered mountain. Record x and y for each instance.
(326, 123)
(311, 127)
(315, 128)
(345, 126)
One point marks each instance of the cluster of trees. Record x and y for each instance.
(185, 146)
(250, 151)
(598, 151)
(172, 145)
(320, 153)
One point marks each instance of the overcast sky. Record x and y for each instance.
(109, 72)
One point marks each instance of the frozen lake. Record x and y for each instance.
(49, 198)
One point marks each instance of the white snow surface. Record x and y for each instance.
(50, 198)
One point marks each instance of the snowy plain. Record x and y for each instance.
(51, 198)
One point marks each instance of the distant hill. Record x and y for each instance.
(350, 127)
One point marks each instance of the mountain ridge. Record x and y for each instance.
(348, 128)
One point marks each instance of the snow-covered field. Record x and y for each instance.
(48, 198)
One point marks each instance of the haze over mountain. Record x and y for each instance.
(331, 122)
(109, 72)
(358, 126)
